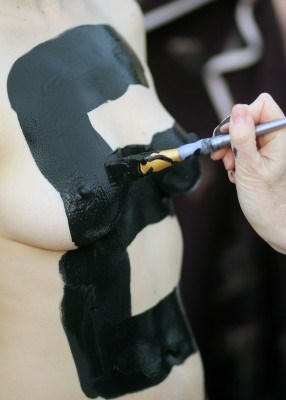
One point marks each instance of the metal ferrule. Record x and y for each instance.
(215, 143)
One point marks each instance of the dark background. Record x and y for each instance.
(233, 284)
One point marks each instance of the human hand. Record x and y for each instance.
(257, 165)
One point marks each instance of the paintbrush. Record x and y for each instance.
(144, 164)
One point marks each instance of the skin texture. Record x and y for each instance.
(257, 168)
(71, 155)
(71, 274)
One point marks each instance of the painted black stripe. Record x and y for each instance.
(52, 88)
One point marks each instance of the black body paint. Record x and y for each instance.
(52, 88)
(123, 168)
(197, 152)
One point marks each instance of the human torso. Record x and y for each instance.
(62, 225)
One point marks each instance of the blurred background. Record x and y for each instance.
(206, 55)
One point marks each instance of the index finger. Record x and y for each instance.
(218, 154)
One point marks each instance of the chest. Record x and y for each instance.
(77, 97)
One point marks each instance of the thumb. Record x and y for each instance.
(243, 139)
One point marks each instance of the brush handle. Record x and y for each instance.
(203, 146)
(158, 161)
(271, 126)
(209, 145)
(218, 142)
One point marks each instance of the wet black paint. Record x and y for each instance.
(197, 152)
(124, 164)
(52, 88)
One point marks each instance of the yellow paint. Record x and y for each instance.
(158, 164)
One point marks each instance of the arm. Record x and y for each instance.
(258, 168)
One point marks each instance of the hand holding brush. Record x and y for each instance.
(143, 164)
(257, 166)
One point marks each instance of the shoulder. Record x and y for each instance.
(127, 18)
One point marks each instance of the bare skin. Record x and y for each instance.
(35, 358)
(280, 11)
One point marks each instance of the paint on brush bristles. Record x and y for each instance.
(141, 165)
(126, 169)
